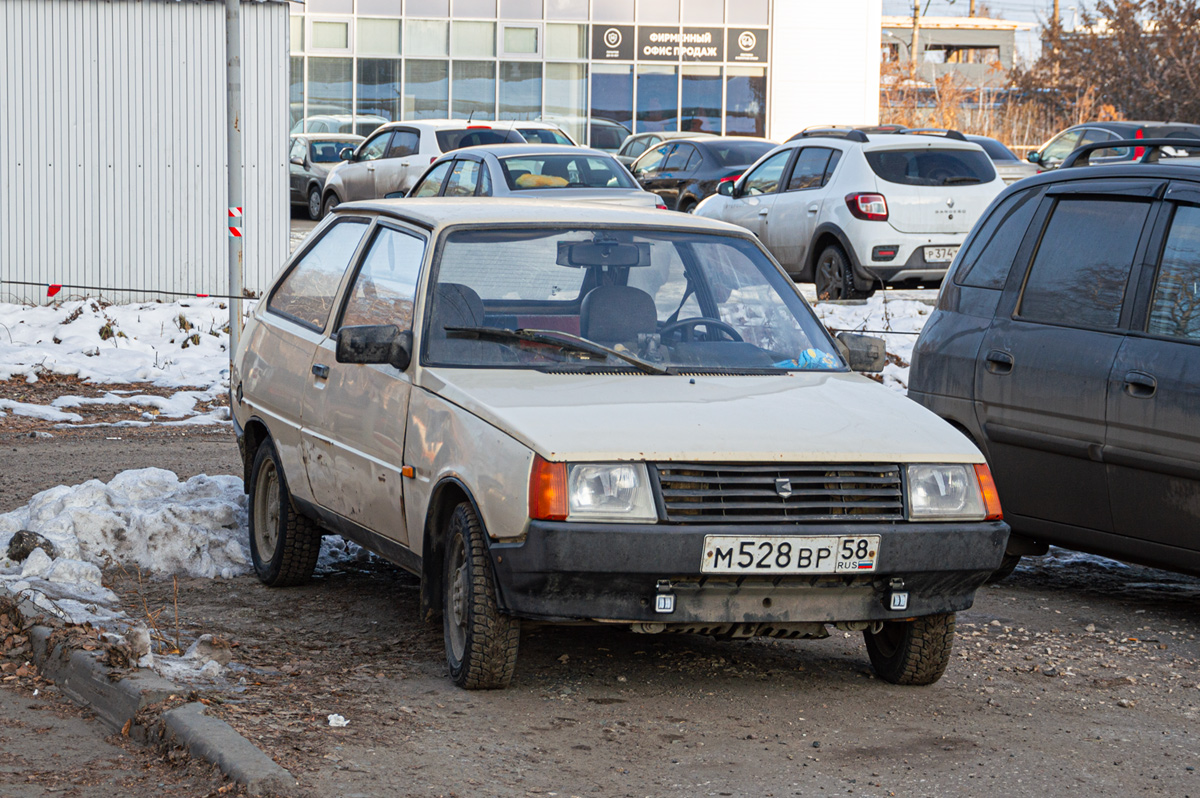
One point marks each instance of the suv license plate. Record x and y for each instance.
(940, 254)
(825, 554)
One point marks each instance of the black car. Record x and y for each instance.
(1066, 344)
(312, 156)
(1056, 149)
(684, 171)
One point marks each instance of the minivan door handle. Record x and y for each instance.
(1140, 385)
(321, 371)
(999, 362)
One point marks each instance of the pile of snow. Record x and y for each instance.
(896, 321)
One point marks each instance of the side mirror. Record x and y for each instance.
(862, 352)
(375, 343)
(725, 189)
(1034, 156)
(347, 154)
(298, 161)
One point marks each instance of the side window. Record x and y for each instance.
(463, 179)
(306, 293)
(1093, 135)
(298, 148)
(677, 160)
(431, 186)
(1082, 266)
(375, 147)
(987, 261)
(652, 160)
(404, 142)
(1061, 147)
(636, 147)
(809, 171)
(695, 161)
(766, 177)
(1175, 306)
(386, 286)
(834, 158)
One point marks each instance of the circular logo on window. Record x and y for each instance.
(747, 40)
(612, 38)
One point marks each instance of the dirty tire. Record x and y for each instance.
(283, 543)
(314, 204)
(912, 652)
(687, 206)
(832, 276)
(1007, 566)
(481, 641)
(331, 202)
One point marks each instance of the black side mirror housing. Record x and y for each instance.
(725, 189)
(375, 343)
(1033, 156)
(863, 352)
(347, 154)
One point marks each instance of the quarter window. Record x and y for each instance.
(987, 261)
(809, 171)
(678, 159)
(765, 179)
(1082, 266)
(306, 293)
(1175, 308)
(386, 285)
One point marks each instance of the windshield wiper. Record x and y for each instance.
(954, 181)
(554, 337)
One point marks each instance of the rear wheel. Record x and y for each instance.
(283, 543)
(912, 652)
(481, 641)
(331, 202)
(314, 204)
(833, 277)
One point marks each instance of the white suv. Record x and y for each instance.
(853, 213)
(389, 162)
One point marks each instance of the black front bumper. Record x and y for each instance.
(612, 572)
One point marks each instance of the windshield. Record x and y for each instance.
(330, 151)
(655, 300)
(931, 167)
(740, 153)
(524, 172)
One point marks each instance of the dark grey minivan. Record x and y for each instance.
(1066, 344)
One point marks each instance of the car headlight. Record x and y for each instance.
(945, 493)
(591, 492)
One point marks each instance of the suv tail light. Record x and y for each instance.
(1138, 152)
(872, 207)
(658, 203)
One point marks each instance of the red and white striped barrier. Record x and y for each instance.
(235, 230)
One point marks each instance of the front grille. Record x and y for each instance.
(754, 494)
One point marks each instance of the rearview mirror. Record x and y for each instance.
(863, 352)
(725, 189)
(375, 343)
(347, 154)
(298, 161)
(1034, 156)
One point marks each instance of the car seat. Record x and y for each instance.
(455, 305)
(612, 314)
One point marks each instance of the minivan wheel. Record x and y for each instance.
(331, 202)
(833, 278)
(283, 543)
(314, 204)
(481, 641)
(912, 652)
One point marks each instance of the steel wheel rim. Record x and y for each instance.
(457, 600)
(314, 204)
(828, 273)
(266, 511)
(889, 638)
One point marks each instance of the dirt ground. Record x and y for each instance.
(1072, 677)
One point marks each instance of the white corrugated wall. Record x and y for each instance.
(113, 146)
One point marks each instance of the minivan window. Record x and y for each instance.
(987, 261)
(1175, 308)
(306, 293)
(386, 285)
(931, 167)
(1082, 266)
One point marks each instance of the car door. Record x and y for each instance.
(674, 173)
(356, 414)
(789, 226)
(1152, 450)
(297, 173)
(646, 169)
(755, 193)
(1041, 381)
(396, 171)
(358, 175)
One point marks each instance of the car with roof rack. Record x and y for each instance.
(853, 212)
(1066, 345)
(571, 413)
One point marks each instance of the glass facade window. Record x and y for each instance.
(426, 37)
(658, 12)
(612, 93)
(328, 35)
(520, 90)
(521, 9)
(474, 8)
(746, 101)
(747, 12)
(379, 88)
(700, 99)
(330, 6)
(380, 8)
(567, 42)
(428, 8)
(657, 98)
(473, 39)
(696, 12)
(566, 98)
(426, 89)
(521, 40)
(296, 90)
(567, 9)
(612, 10)
(381, 36)
(330, 85)
(296, 45)
(474, 90)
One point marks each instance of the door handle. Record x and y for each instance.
(999, 362)
(814, 208)
(370, 168)
(1140, 385)
(764, 211)
(321, 371)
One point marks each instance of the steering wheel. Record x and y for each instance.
(686, 329)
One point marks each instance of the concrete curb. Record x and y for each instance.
(82, 677)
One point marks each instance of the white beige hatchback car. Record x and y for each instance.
(573, 413)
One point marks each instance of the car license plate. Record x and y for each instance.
(940, 254)
(824, 554)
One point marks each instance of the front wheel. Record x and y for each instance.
(481, 641)
(833, 277)
(314, 204)
(912, 652)
(284, 544)
(688, 206)
(331, 202)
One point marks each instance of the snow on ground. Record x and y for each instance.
(895, 319)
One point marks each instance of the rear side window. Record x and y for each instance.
(809, 170)
(1082, 266)
(931, 167)
(404, 142)
(737, 153)
(1175, 308)
(306, 293)
(986, 263)
(453, 139)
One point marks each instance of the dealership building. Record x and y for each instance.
(735, 67)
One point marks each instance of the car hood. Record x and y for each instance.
(634, 197)
(799, 417)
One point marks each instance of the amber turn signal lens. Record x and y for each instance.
(547, 490)
(987, 486)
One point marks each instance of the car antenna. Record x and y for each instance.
(470, 116)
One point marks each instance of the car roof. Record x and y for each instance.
(510, 150)
(449, 124)
(892, 141)
(1163, 170)
(328, 136)
(438, 213)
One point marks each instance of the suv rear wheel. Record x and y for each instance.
(833, 277)
(912, 652)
